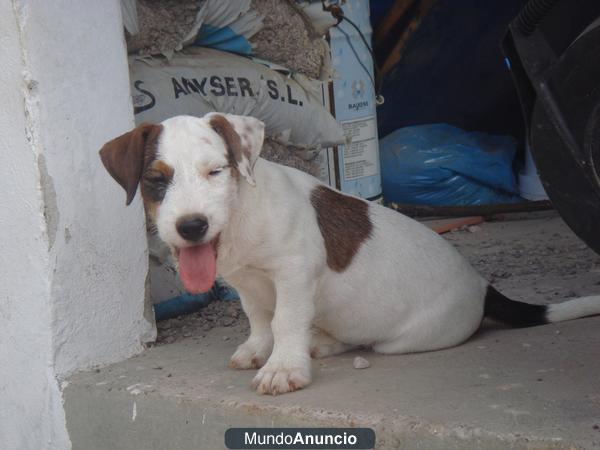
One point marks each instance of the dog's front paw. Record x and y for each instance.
(277, 379)
(248, 356)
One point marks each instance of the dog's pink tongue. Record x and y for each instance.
(198, 268)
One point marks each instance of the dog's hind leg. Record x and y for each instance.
(421, 340)
(255, 298)
(323, 344)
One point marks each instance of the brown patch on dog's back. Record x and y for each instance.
(344, 223)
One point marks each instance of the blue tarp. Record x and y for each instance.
(439, 164)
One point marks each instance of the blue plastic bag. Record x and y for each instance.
(224, 39)
(439, 164)
(190, 303)
(227, 26)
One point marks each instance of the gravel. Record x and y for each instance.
(163, 25)
(288, 38)
(360, 363)
(290, 156)
(534, 250)
(216, 314)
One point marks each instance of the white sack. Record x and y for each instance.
(210, 80)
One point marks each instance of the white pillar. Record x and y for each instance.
(73, 258)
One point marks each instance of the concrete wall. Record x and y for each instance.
(31, 414)
(74, 259)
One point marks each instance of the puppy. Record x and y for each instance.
(318, 272)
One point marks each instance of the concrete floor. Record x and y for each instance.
(528, 388)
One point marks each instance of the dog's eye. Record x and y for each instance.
(155, 186)
(155, 182)
(216, 171)
(156, 178)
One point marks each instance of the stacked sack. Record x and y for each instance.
(282, 83)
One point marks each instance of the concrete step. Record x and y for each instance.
(527, 388)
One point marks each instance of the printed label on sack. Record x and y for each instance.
(216, 81)
(216, 86)
(361, 156)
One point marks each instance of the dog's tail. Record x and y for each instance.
(520, 314)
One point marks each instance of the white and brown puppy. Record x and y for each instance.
(318, 272)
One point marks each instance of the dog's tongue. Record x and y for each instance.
(198, 267)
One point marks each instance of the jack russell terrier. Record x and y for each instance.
(318, 272)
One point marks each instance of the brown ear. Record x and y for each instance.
(243, 137)
(232, 139)
(125, 157)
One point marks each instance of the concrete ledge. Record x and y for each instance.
(529, 388)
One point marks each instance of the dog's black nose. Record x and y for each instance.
(192, 228)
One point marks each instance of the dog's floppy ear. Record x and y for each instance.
(243, 137)
(124, 157)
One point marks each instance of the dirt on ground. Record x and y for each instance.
(216, 314)
(529, 257)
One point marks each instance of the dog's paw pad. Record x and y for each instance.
(280, 381)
